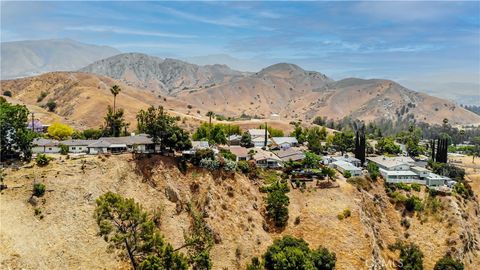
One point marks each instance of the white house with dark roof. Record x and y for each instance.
(344, 167)
(267, 159)
(77, 146)
(41, 145)
(292, 154)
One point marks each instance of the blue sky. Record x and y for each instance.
(413, 42)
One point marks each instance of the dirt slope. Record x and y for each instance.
(66, 236)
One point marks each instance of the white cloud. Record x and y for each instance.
(117, 30)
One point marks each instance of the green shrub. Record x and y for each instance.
(42, 160)
(7, 93)
(63, 149)
(347, 174)
(373, 170)
(42, 96)
(243, 166)
(448, 263)
(403, 186)
(464, 190)
(39, 189)
(229, 165)
(202, 154)
(51, 105)
(294, 253)
(417, 187)
(210, 164)
(411, 257)
(228, 154)
(414, 203)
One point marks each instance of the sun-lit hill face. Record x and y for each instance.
(83, 98)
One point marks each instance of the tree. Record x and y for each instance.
(298, 132)
(246, 140)
(51, 105)
(128, 227)
(114, 123)
(373, 170)
(448, 263)
(60, 131)
(277, 204)
(115, 90)
(311, 160)
(343, 141)
(163, 129)
(16, 139)
(413, 149)
(387, 145)
(198, 241)
(214, 134)
(294, 253)
(210, 114)
(274, 132)
(329, 172)
(315, 136)
(411, 257)
(360, 145)
(7, 93)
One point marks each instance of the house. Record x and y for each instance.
(326, 160)
(404, 159)
(234, 139)
(389, 164)
(77, 146)
(290, 154)
(344, 167)
(267, 159)
(435, 180)
(258, 137)
(240, 152)
(41, 145)
(98, 147)
(141, 143)
(284, 142)
(421, 171)
(404, 176)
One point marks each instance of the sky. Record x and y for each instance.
(428, 46)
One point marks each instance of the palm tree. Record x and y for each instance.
(210, 114)
(115, 90)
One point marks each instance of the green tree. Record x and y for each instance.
(42, 160)
(277, 204)
(387, 145)
(16, 139)
(373, 170)
(411, 257)
(128, 227)
(315, 136)
(298, 132)
(448, 263)
(163, 129)
(343, 141)
(60, 131)
(294, 253)
(328, 172)
(51, 105)
(115, 90)
(210, 114)
(311, 160)
(7, 93)
(246, 140)
(272, 131)
(214, 134)
(115, 123)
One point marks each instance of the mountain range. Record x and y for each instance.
(282, 91)
(33, 57)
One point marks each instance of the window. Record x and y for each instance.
(73, 148)
(49, 148)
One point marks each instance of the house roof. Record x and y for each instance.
(387, 162)
(238, 151)
(346, 165)
(419, 169)
(262, 155)
(282, 140)
(433, 176)
(45, 142)
(289, 152)
(98, 143)
(399, 173)
(128, 140)
(77, 142)
(257, 132)
(403, 159)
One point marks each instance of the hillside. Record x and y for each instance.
(161, 75)
(67, 233)
(293, 93)
(33, 57)
(83, 98)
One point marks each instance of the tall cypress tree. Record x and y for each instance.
(360, 144)
(266, 136)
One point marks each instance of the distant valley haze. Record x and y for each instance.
(431, 47)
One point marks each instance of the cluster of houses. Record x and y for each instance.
(279, 150)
